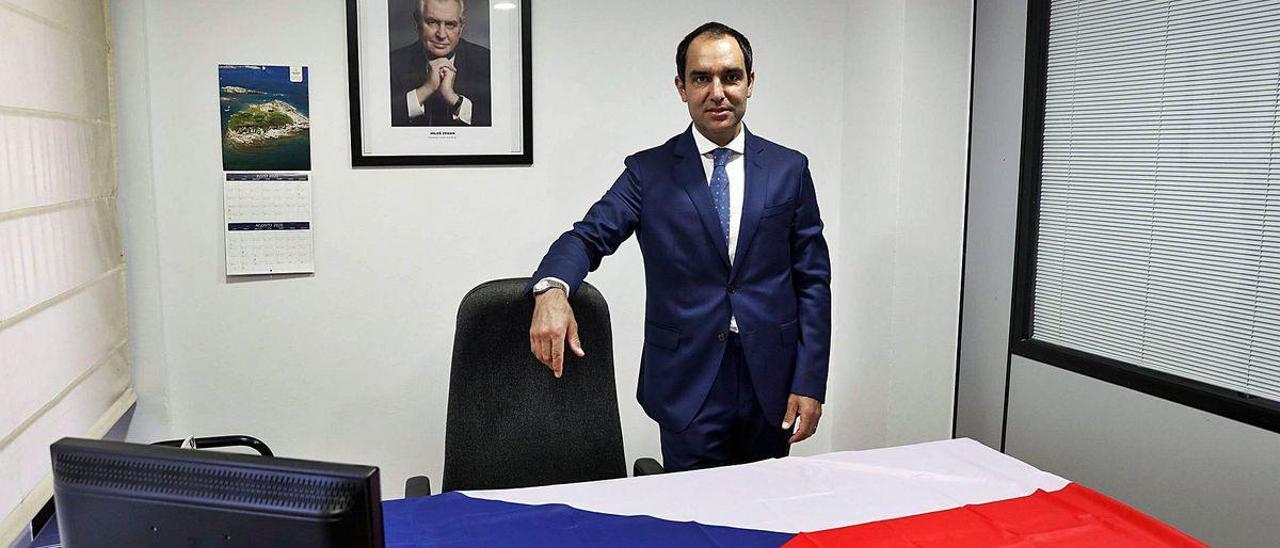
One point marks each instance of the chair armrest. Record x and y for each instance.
(646, 466)
(212, 442)
(417, 486)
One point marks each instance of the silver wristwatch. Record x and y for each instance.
(546, 284)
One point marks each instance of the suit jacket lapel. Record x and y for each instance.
(754, 192)
(688, 172)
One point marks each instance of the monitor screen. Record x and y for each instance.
(122, 494)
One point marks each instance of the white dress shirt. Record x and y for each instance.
(737, 184)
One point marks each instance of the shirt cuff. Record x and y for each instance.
(415, 108)
(464, 116)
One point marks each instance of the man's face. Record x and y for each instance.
(441, 26)
(716, 85)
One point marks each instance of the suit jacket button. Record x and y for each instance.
(721, 336)
(733, 289)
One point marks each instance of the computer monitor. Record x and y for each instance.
(123, 494)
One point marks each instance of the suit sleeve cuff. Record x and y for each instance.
(809, 388)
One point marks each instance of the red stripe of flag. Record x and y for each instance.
(1072, 516)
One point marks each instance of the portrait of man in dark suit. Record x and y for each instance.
(440, 79)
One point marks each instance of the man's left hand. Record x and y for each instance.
(804, 412)
(448, 76)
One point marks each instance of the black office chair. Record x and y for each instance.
(510, 422)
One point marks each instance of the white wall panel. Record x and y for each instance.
(992, 206)
(902, 206)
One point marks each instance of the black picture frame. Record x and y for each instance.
(1246, 408)
(359, 158)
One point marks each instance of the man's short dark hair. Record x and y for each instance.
(712, 29)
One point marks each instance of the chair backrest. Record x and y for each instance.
(510, 422)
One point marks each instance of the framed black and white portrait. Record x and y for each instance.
(440, 82)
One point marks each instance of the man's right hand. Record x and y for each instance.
(553, 322)
(432, 85)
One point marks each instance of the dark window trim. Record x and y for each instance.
(1253, 410)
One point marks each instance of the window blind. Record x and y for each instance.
(1159, 215)
(64, 365)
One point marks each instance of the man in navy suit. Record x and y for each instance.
(738, 312)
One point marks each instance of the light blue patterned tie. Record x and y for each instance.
(720, 187)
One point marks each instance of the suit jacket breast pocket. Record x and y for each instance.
(777, 216)
(777, 209)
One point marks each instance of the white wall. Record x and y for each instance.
(992, 207)
(137, 208)
(1212, 477)
(902, 203)
(352, 363)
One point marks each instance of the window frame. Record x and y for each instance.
(1247, 408)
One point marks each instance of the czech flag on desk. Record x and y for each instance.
(946, 493)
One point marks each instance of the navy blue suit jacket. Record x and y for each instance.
(778, 286)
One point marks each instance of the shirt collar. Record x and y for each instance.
(705, 146)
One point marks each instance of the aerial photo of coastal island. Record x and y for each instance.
(265, 118)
